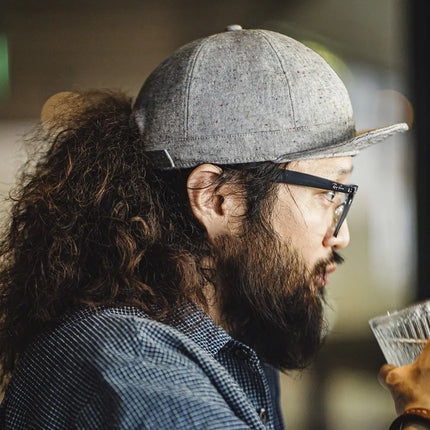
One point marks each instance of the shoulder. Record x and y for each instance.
(93, 333)
(108, 340)
(116, 366)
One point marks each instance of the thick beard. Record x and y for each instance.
(268, 299)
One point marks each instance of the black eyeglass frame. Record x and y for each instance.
(298, 178)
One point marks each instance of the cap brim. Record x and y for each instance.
(352, 147)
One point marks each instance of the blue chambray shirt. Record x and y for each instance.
(114, 368)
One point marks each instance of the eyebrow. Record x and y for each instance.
(342, 171)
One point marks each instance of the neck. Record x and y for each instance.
(212, 301)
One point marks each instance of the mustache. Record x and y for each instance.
(320, 267)
(336, 258)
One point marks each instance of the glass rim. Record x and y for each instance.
(400, 312)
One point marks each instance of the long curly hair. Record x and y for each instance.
(92, 223)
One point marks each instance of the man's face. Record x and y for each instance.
(271, 285)
(304, 216)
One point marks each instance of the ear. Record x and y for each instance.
(215, 209)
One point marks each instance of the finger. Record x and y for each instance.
(424, 357)
(383, 372)
(426, 348)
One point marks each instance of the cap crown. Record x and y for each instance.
(242, 96)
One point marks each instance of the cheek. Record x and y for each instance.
(291, 222)
(294, 215)
(304, 226)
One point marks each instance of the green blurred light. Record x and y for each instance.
(4, 68)
(334, 60)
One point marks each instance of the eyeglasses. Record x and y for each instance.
(298, 178)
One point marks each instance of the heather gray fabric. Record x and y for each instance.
(244, 96)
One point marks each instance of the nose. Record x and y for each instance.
(342, 239)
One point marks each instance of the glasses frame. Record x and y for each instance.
(298, 178)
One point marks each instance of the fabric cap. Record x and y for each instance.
(246, 96)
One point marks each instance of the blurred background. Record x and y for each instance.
(378, 48)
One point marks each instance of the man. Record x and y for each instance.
(164, 261)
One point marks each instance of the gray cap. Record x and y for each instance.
(247, 96)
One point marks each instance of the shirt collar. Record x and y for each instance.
(191, 321)
(201, 329)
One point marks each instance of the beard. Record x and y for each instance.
(268, 299)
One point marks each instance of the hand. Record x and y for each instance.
(409, 385)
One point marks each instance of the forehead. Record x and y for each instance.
(331, 168)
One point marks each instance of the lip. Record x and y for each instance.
(324, 278)
(331, 268)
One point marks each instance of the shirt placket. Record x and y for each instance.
(242, 362)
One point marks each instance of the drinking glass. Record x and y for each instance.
(402, 334)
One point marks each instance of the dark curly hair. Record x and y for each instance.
(92, 223)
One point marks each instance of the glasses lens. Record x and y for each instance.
(340, 213)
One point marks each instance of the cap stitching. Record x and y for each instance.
(268, 132)
(222, 136)
(335, 149)
(266, 38)
(188, 85)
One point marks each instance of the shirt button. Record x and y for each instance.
(264, 417)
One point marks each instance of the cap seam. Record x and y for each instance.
(300, 128)
(266, 37)
(339, 148)
(221, 136)
(188, 85)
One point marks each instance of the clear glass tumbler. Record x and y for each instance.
(402, 334)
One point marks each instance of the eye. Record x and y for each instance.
(330, 195)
